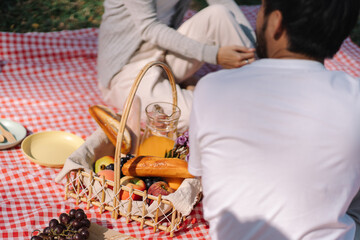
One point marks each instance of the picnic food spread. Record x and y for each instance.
(143, 172)
(150, 169)
(161, 207)
(172, 171)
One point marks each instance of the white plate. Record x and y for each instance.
(17, 130)
(50, 148)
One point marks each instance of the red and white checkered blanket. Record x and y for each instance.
(48, 83)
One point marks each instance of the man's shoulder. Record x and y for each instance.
(346, 75)
(255, 68)
(220, 76)
(288, 71)
(347, 81)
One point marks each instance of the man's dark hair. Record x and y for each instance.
(316, 28)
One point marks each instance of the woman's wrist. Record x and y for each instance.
(210, 53)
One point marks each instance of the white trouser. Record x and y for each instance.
(213, 25)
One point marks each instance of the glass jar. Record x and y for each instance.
(161, 129)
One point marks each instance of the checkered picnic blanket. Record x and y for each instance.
(48, 82)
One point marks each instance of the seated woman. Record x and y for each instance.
(135, 32)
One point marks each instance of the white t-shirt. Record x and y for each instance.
(276, 144)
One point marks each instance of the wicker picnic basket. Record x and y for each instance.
(81, 185)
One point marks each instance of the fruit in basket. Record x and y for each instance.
(149, 166)
(109, 123)
(103, 162)
(74, 225)
(108, 174)
(158, 188)
(173, 182)
(135, 183)
(150, 180)
(111, 166)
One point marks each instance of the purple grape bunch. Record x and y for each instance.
(70, 226)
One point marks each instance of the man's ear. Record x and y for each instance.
(275, 27)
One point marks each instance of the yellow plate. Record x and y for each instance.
(51, 148)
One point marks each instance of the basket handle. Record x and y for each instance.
(126, 111)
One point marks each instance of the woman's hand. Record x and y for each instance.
(235, 56)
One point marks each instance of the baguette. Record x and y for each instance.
(148, 166)
(109, 123)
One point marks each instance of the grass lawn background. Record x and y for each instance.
(55, 15)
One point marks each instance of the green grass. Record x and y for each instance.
(49, 15)
(55, 15)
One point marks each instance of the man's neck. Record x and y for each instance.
(286, 54)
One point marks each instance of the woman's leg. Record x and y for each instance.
(214, 25)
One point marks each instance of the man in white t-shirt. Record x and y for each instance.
(276, 143)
